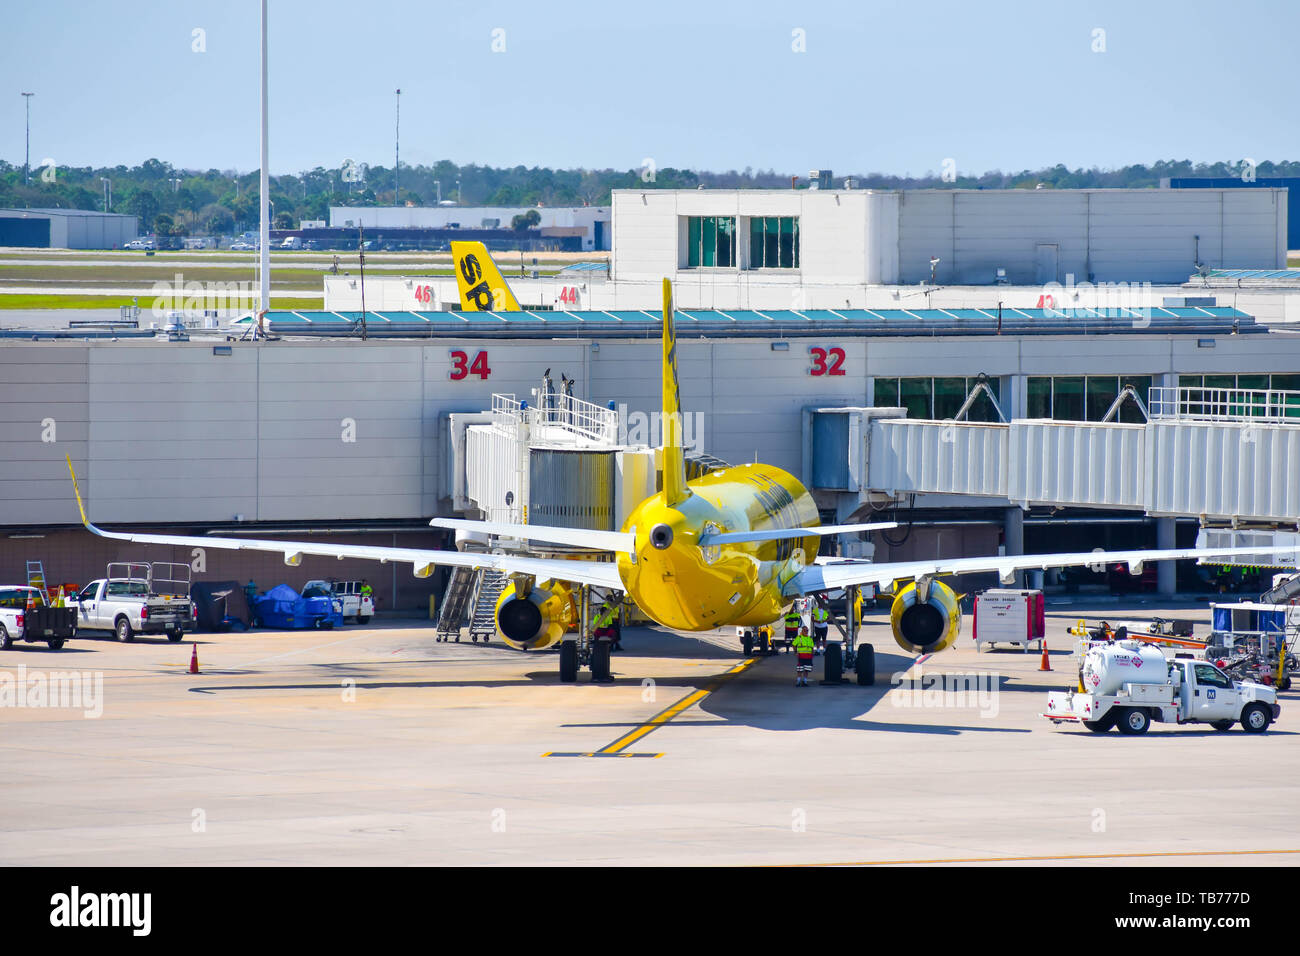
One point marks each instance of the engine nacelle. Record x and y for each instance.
(536, 619)
(925, 620)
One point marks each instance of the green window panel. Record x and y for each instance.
(1039, 397)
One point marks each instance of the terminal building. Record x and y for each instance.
(1018, 422)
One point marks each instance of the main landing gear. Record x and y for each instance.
(585, 650)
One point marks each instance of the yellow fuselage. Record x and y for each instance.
(689, 588)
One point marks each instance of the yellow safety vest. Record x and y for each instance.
(793, 619)
(803, 644)
(820, 615)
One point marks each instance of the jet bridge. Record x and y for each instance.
(1226, 456)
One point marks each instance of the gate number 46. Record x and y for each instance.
(462, 367)
(820, 366)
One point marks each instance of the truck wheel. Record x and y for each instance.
(6, 641)
(175, 635)
(1133, 721)
(56, 643)
(1255, 718)
(568, 662)
(1099, 726)
(1221, 725)
(865, 665)
(363, 618)
(123, 630)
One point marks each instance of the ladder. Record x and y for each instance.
(455, 602)
(484, 621)
(36, 575)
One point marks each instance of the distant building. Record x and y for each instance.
(66, 229)
(1289, 183)
(589, 224)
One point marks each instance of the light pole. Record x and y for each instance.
(264, 197)
(457, 190)
(437, 184)
(397, 155)
(27, 162)
(108, 193)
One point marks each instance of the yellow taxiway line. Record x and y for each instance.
(617, 748)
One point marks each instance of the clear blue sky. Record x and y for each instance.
(882, 86)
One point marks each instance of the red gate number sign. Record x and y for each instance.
(462, 367)
(820, 365)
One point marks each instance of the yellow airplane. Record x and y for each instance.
(481, 285)
(734, 547)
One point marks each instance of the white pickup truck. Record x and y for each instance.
(355, 603)
(26, 615)
(1128, 684)
(127, 601)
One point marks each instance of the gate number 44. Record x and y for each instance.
(462, 367)
(820, 365)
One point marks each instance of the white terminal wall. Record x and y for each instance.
(170, 432)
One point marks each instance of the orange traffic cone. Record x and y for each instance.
(1046, 665)
(194, 660)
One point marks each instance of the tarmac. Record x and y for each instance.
(379, 745)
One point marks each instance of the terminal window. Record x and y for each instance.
(774, 242)
(711, 241)
(1084, 398)
(937, 397)
(1283, 382)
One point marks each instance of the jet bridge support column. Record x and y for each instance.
(1013, 537)
(1166, 571)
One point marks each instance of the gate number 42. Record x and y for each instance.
(820, 366)
(462, 367)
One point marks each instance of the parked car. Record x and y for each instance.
(139, 599)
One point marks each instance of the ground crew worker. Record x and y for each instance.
(820, 617)
(367, 591)
(250, 592)
(793, 621)
(604, 625)
(803, 648)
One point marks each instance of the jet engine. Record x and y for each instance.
(536, 619)
(925, 618)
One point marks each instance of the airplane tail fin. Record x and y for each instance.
(481, 285)
(674, 456)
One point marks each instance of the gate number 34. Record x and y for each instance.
(826, 361)
(462, 367)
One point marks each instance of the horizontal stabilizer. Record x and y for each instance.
(778, 534)
(622, 542)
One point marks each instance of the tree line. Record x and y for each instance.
(173, 201)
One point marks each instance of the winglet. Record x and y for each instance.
(481, 286)
(77, 491)
(674, 457)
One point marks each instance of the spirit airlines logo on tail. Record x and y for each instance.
(734, 546)
(480, 283)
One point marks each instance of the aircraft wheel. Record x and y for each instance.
(765, 645)
(833, 660)
(747, 643)
(568, 662)
(600, 663)
(865, 666)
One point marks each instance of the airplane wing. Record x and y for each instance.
(622, 542)
(826, 577)
(599, 573)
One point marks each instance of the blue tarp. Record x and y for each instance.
(284, 607)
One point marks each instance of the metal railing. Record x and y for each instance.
(594, 422)
(1225, 405)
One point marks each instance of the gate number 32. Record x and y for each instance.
(462, 367)
(820, 365)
